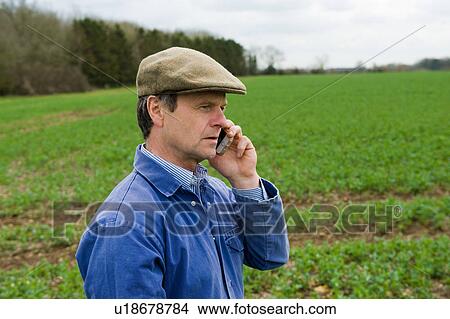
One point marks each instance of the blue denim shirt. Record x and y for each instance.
(192, 180)
(152, 238)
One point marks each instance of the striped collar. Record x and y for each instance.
(187, 178)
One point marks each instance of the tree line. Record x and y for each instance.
(41, 53)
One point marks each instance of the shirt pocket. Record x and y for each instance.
(234, 244)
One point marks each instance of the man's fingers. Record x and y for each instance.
(234, 134)
(244, 143)
(235, 131)
(228, 124)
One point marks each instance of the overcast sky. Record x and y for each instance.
(346, 31)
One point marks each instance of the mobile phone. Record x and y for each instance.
(222, 142)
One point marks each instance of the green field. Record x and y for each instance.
(380, 139)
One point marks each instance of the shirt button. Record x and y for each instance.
(193, 203)
(214, 237)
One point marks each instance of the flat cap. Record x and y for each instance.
(183, 70)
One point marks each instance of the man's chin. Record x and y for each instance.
(210, 154)
(209, 157)
(205, 154)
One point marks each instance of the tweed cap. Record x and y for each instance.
(183, 70)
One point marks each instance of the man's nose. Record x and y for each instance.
(219, 119)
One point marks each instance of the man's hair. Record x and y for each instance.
(144, 120)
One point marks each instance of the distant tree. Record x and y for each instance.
(179, 39)
(359, 65)
(152, 41)
(29, 62)
(233, 57)
(93, 45)
(251, 62)
(321, 62)
(106, 47)
(270, 70)
(120, 56)
(272, 57)
(227, 52)
(434, 64)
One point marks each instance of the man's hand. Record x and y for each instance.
(238, 163)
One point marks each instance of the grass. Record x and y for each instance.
(351, 269)
(356, 269)
(45, 280)
(420, 213)
(373, 138)
(373, 132)
(16, 238)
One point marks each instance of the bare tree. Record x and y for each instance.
(360, 65)
(272, 56)
(321, 62)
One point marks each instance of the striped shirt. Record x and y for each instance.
(191, 180)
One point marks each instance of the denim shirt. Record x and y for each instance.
(152, 238)
(192, 180)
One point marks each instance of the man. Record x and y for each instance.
(168, 230)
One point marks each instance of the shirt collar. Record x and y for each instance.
(157, 168)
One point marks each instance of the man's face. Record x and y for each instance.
(191, 131)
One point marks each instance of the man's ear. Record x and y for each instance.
(154, 109)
